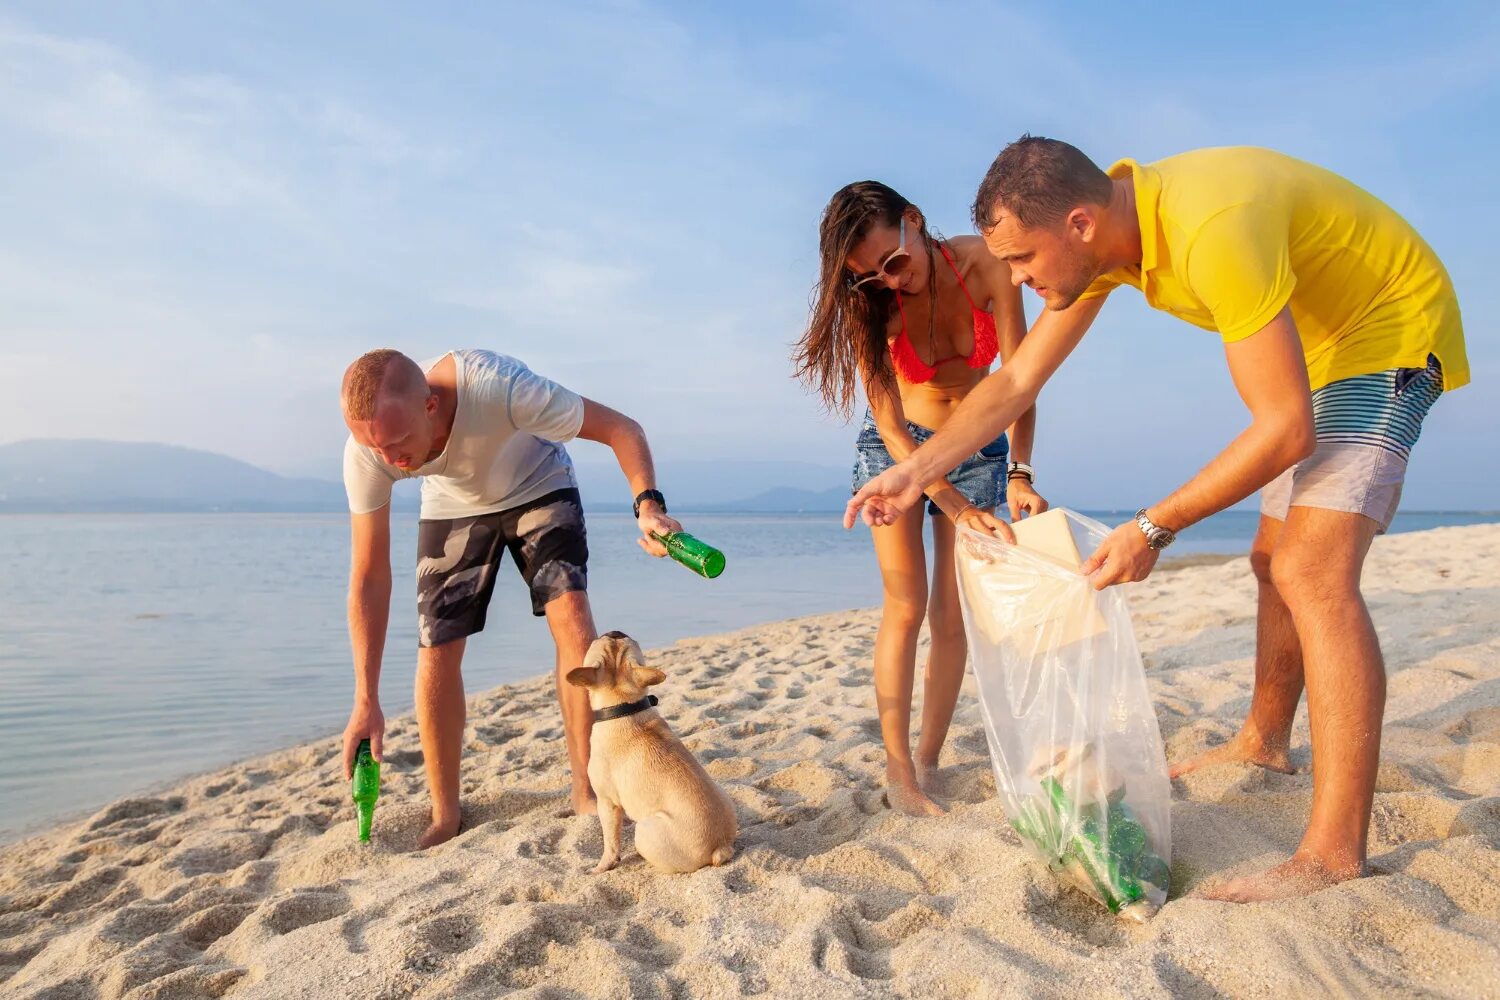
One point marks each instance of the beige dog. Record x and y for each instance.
(683, 820)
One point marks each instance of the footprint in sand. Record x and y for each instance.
(542, 846)
(134, 810)
(837, 948)
(211, 853)
(451, 934)
(642, 945)
(499, 732)
(304, 907)
(536, 892)
(744, 879)
(402, 760)
(203, 928)
(509, 806)
(93, 888)
(135, 922)
(215, 790)
(727, 765)
(1481, 818)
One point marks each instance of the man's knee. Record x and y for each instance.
(444, 658)
(1304, 577)
(1260, 565)
(570, 612)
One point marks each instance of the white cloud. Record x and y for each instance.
(371, 139)
(624, 197)
(549, 289)
(206, 139)
(173, 135)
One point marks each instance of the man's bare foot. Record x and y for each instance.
(1303, 875)
(438, 833)
(903, 794)
(584, 803)
(1240, 750)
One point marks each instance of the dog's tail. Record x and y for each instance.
(721, 855)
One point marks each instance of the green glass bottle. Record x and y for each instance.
(698, 556)
(1117, 862)
(365, 787)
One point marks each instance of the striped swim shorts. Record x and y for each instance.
(1366, 427)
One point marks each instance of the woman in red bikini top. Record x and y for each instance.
(916, 323)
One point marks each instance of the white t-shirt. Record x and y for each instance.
(505, 448)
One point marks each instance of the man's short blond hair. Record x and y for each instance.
(379, 374)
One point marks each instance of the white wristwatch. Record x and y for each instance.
(1157, 537)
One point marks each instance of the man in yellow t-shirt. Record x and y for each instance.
(1341, 329)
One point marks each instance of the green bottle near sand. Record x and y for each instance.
(696, 555)
(1107, 851)
(365, 787)
(1116, 862)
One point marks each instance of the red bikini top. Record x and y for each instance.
(911, 367)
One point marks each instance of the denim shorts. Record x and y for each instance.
(980, 477)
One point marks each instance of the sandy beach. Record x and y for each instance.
(248, 882)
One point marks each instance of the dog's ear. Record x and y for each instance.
(594, 662)
(642, 675)
(598, 652)
(584, 677)
(646, 676)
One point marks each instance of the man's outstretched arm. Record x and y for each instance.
(627, 440)
(991, 406)
(1270, 373)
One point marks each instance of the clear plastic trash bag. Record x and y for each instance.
(1078, 756)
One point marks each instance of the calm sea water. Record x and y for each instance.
(135, 649)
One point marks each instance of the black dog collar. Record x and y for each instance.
(629, 708)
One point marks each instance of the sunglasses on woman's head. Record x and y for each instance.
(893, 264)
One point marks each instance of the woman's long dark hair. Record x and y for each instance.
(845, 339)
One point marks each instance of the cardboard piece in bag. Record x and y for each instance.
(1040, 611)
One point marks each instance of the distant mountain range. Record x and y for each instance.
(60, 475)
(46, 476)
(730, 485)
(784, 500)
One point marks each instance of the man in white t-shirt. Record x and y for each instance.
(485, 434)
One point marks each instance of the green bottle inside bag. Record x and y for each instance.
(365, 788)
(696, 555)
(1118, 864)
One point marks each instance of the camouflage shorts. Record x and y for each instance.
(457, 560)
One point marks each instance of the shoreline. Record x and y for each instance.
(166, 786)
(52, 821)
(245, 881)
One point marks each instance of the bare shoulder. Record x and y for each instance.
(968, 249)
(976, 262)
(973, 255)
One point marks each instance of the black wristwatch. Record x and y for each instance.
(645, 495)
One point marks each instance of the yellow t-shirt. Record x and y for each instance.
(1231, 235)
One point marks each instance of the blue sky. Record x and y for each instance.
(209, 208)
